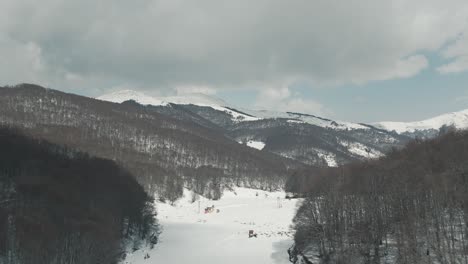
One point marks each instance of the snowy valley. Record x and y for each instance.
(197, 153)
(233, 132)
(222, 236)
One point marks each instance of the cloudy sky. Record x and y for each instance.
(359, 60)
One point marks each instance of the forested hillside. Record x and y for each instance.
(408, 207)
(306, 138)
(164, 153)
(60, 206)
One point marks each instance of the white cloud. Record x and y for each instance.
(283, 100)
(225, 44)
(458, 53)
(275, 94)
(20, 61)
(459, 64)
(402, 68)
(190, 89)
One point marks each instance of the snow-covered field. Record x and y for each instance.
(457, 119)
(191, 236)
(256, 144)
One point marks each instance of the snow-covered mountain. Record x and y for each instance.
(165, 147)
(429, 127)
(200, 99)
(141, 98)
(307, 118)
(306, 138)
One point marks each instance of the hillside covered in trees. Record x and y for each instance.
(164, 153)
(58, 205)
(408, 207)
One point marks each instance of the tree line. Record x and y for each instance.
(58, 205)
(408, 207)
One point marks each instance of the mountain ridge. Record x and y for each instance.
(311, 139)
(165, 152)
(201, 99)
(429, 127)
(144, 99)
(426, 128)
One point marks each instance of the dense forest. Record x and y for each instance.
(58, 205)
(408, 207)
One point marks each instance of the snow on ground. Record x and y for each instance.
(361, 150)
(236, 116)
(329, 158)
(141, 98)
(293, 121)
(220, 105)
(193, 98)
(191, 236)
(304, 118)
(125, 95)
(456, 119)
(256, 144)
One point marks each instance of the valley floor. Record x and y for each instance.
(191, 236)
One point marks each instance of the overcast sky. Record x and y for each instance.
(353, 60)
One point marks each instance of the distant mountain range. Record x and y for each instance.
(425, 128)
(429, 127)
(238, 114)
(309, 139)
(141, 98)
(199, 141)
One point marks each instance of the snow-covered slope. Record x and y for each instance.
(186, 99)
(191, 236)
(458, 120)
(306, 118)
(125, 95)
(139, 97)
(220, 105)
(306, 138)
(256, 144)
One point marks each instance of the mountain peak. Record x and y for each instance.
(125, 95)
(139, 97)
(457, 119)
(196, 99)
